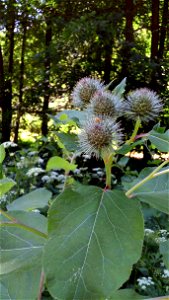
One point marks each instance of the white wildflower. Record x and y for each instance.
(32, 153)
(54, 175)
(34, 172)
(9, 144)
(100, 173)
(165, 274)
(159, 240)
(46, 179)
(40, 160)
(148, 231)
(61, 178)
(77, 171)
(143, 282)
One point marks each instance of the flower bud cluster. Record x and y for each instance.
(101, 133)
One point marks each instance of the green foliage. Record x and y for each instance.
(120, 88)
(93, 240)
(22, 250)
(38, 198)
(93, 252)
(155, 191)
(160, 140)
(164, 251)
(2, 153)
(57, 162)
(6, 185)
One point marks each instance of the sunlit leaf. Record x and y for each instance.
(57, 162)
(2, 153)
(5, 185)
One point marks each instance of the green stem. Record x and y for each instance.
(108, 159)
(150, 176)
(41, 285)
(16, 223)
(66, 183)
(136, 128)
(161, 173)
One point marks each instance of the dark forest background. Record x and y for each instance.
(46, 46)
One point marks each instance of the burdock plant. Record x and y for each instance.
(84, 91)
(94, 235)
(142, 105)
(100, 137)
(105, 104)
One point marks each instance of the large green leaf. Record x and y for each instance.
(95, 238)
(36, 199)
(164, 249)
(126, 294)
(21, 253)
(155, 192)
(160, 140)
(4, 295)
(2, 153)
(5, 185)
(57, 162)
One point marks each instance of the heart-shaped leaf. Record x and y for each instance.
(95, 238)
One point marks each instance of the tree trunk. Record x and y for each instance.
(129, 38)
(163, 30)
(21, 82)
(2, 88)
(154, 45)
(107, 62)
(46, 77)
(154, 29)
(7, 104)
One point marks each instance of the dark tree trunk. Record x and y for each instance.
(7, 104)
(154, 44)
(129, 38)
(163, 30)
(21, 82)
(107, 62)
(154, 29)
(2, 87)
(46, 77)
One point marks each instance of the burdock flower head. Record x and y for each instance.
(99, 136)
(105, 104)
(84, 91)
(143, 103)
